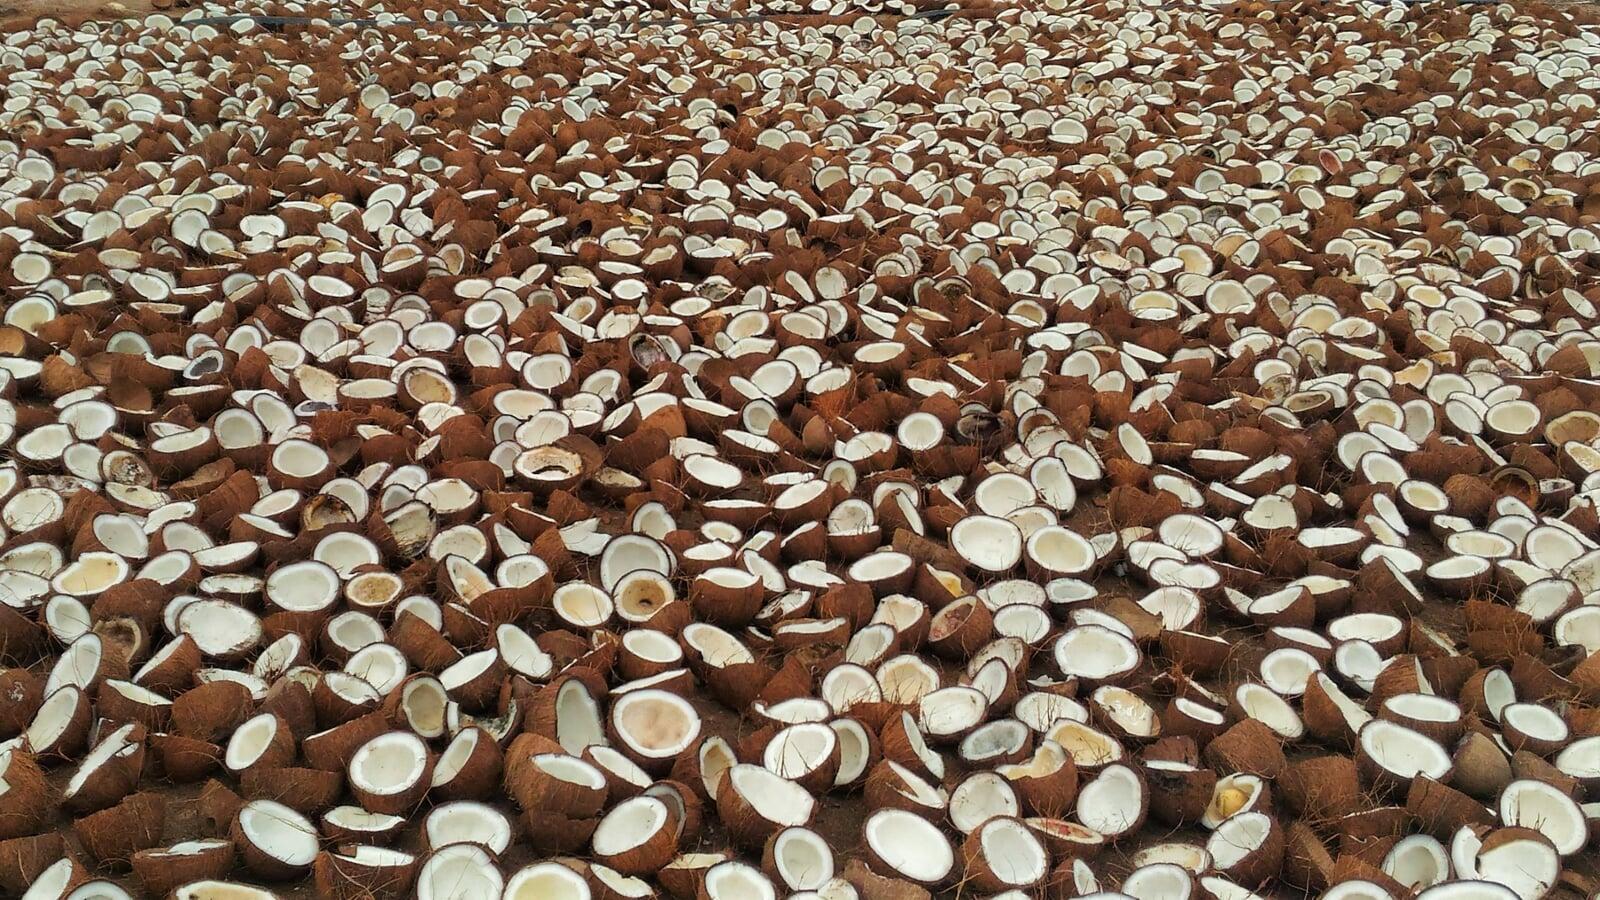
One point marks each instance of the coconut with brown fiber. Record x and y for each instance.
(274, 841)
(161, 871)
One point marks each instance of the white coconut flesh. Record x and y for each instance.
(303, 586)
(1194, 858)
(1158, 881)
(221, 890)
(53, 718)
(117, 743)
(1112, 801)
(354, 818)
(987, 542)
(1238, 837)
(583, 605)
(1545, 809)
(1468, 890)
(459, 871)
(578, 723)
(1423, 708)
(952, 710)
(1402, 752)
(1529, 867)
(1355, 717)
(389, 763)
(1538, 722)
(1095, 652)
(1498, 692)
(1270, 709)
(910, 845)
(52, 883)
(998, 738)
(629, 825)
(1417, 861)
(1581, 758)
(1128, 710)
(1041, 711)
(424, 701)
(218, 627)
(979, 798)
(656, 724)
(78, 665)
(91, 574)
(546, 881)
(456, 755)
(798, 750)
(1225, 798)
(1088, 746)
(279, 832)
(467, 822)
(249, 741)
(775, 799)
(734, 880)
(1012, 852)
(717, 647)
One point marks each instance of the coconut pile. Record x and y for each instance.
(1047, 450)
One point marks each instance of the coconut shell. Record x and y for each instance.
(342, 878)
(211, 711)
(21, 692)
(160, 872)
(217, 807)
(1248, 747)
(478, 775)
(872, 886)
(185, 759)
(1321, 788)
(1306, 861)
(111, 836)
(308, 791)
(291, 702)
(28, 800)
(23, 858)
(1179, 796)
(555, 833)
(114, 778)
(332, 748)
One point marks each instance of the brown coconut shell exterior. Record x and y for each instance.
(1179, 796)
(21, 692)
(1248, 747)
(160, 873)
(342, 878)
(332, 748)
(27, 803)
(111, 836)
(480, 773)
(211, 711)
(1321, 788)
(305, 790)
(23, 858)
(217, 807)
(185, 759)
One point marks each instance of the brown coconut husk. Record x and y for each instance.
(1306, 861)
(308, 791)
(111, 836)
(1322, 788)
(23, 858)
(21, 692)
(1248, 747)
(160, 872)
(211, 711)
(185, 759)
(1441, 809)
(332, 748)
(217, 807)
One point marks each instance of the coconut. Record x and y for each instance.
(637, 836)
(1235, 794)
(807, 754)
(905, 846)
(1047, 783)
(354, 825)
(1004, 854)
(275, 842)
(1519, 858)
(1534, 727)
(890, 785)
(1250, 747)
(112, 836)
(363, 871)
(754, 803)
(391, 772)
(466, 822)
(264, 741)
(1388, 756)
(653, 727)
(1546, 809)
(1179, 791)
(459, 870)
(1248, 847)
(469, 767)
(546, 881)
(1321, 788)
(110, 772)
(25, 803)
(161, 871)
(555, 783)
(1114, 802)
(24, 859)
(57, 880)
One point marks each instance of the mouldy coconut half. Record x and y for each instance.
(275, 842)
(906, 846)
(390, 773)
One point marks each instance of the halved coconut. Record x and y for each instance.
(987, 543)
(1114, 802)
(654, 727)
(274, 841)
(904, 845)
(459, 870)
(546, 881)
(799, 858)
(466, 822)
(1248, 847)
(807, 753)
(754, 803)
(1095, 654)
(637, 836)
(1545, 809)
(734, 880)
(390, 773)
(263, 741)
(1390, 755)
(1519, 858)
